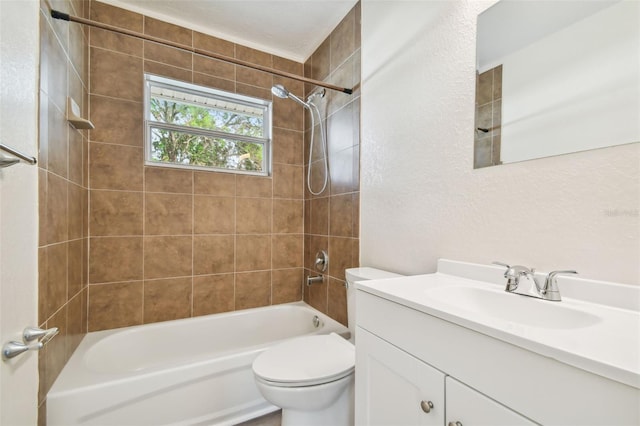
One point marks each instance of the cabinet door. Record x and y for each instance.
(467, 407)
(393, 387)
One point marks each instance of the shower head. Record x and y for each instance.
(283, 93)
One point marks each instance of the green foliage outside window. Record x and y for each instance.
(198, 127)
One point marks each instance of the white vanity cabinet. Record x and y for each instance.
(405, 356)
(395, 388)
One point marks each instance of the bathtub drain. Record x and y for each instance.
(316, 321)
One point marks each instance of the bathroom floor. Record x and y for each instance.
(271, 419)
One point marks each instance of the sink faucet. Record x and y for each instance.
(548, 290)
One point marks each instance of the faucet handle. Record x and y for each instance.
(513, 274)
(551, 285)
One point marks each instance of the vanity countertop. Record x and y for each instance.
(601, 338)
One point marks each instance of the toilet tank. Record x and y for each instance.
(360, 274)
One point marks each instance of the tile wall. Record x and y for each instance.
(168, 243)
(62, 168)
(486, 150)
(332, 217)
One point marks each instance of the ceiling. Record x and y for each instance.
(292, 29)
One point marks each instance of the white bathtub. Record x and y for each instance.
(195, 371)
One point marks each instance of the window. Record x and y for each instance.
(196, 127)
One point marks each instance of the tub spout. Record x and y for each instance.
(315, 280)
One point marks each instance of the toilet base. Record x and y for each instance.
(340, 413)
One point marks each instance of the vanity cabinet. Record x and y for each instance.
(405, 356)
(396, 388)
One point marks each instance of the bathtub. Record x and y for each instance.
(194, 371)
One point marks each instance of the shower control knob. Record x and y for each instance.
(454, 424)
(426, 406)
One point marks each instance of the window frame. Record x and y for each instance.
(181, 86)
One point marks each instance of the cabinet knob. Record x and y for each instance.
(427, 406)
(454, 424)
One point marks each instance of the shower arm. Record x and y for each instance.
(71, 18)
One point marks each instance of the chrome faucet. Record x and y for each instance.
(546, 291)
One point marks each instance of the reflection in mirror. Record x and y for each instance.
(556, 77)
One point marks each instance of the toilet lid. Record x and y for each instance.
(306, 361)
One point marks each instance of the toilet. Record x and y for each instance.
(312, 377)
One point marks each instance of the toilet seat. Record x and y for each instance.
(306, 361)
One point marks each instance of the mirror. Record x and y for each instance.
(555, 77)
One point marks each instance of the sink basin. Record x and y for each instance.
(512, 307)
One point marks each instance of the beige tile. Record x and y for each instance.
(58, 143)
(341, 255)
(214, 215)
(340, 213)
(337, 305)
(167, 257)
(253, 77)
(343, 40)
(286, 285)
(169, 71)
(115, 305)
(43, 282)
(287, 251)
(166, 300)
(341, 129)
(484, 87)
(256, 92)
(497, 83)
(214, 82)
(161, 179)
(76, 209)
(287, 65)
(171, 32)
(316, 295)
(287, 114)
(74, 267)
(253, 215)
(116, 213)
(105, 252)
(213, 254)
(75, 329)
(214, 183)
(287, 181)
(213, 294)
(57, 209)
(287, 216)
(56, 355)
(312, 245)
(319, 216)
(254, 186)
(116, 16)
(53, 75)
(116, 42)
(254, 56)
(168, 214)
(355, 214)
(117, 121)
(116, 75)
(288, 146)
(76, 145)
(344, 170)
(320, 60)
(213, 44)
(115, 167)
(167, 55)
(253, 289)
(43, 125)
(253, 252)
(55, 295)
(214, 67)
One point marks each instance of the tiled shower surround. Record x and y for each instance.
(124, 244)
(332, 217)
(62, 187)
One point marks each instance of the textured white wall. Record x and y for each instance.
(422, 200)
